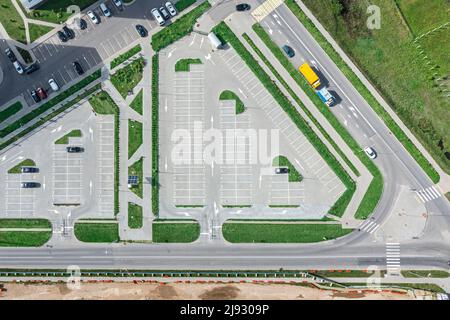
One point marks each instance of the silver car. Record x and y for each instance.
(171, 9)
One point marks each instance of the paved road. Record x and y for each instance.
(90, 47)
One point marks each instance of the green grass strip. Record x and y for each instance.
(282, 161)
(183, 4)
(339, 207)
(72, 134)
(155, 132)
(24, 238)
(125, 56)
(49, 104)
(230, 95)
(365, 93)
(184, 65)
(11, 110)
(134, 136)
(375, 189)
(97, 232)
(179, 28)
(136, 170)
(25, 223)
(128, 77)
(281, 233)
(25, 163)
(135, 217)
(175, 232)
(138, 102)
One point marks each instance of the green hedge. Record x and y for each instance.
(179, 28)
(11, 110)
(125, 56)
(155, 131)
(373, 193)
(365, 93)
(338, 208)
(183, 4)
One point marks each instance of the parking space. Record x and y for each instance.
(282, 192)
(67, 175)
(312, 162)
(19, 202)
(105, 165)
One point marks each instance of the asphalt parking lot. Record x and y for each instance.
(20, 202)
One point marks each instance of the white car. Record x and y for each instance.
(171, 8)
(53, 84)
(18, 67)
(370, 152)
(105, 10)
(118, 4)
(93, 17)
(158, 16)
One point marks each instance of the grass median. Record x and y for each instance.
(155, 134)
(125, 56)
(175, 232)
(24, 238)
(18, 168)
(230, 95)
(97, 232)
(184, 65)
(134, 136)
(282, 161)
(135, 217)
(375, 189)
(128, 77)
(365, 93)
(341, 204)
(138, 102)
(136, 170)
(72, 134)
(10, 111)
(25, 223)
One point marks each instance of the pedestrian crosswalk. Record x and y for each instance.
(393, 258)
(369, 226)
(265, 9)
(428, 194)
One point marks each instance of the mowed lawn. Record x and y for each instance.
(176, 232)
(393, 63)
(12, 21)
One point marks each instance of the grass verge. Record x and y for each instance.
(365, 93)
(97, 232)
(179, 28)
(128, 77)
(425, 274)
(155, 132)
(134, 136)
(137, 103)
(125, 56)
(183, 4)
(282, 161)
(134, 216)
(230, 95)
(11, 21)
(339, 207)
(37, 31)
(102, 103)
(24, 238)
(136, 170)
(10, 111)
(25, 163)
(72, 134)
(176, 232)
(281, 233)
(184, 65)
(25, 223)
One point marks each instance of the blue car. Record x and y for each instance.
(289, 51)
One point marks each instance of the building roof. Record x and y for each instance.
(29, 4)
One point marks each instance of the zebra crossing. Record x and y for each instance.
(369, 226)
(265, 9)
(428, 194)
(393, 258)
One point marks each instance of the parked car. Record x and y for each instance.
(370, 152)
(289, 51)
(62, 36)
(32, 68)
(105, 9)
(118, 4)
(41, 93)
(164, 13)
(158, 16)
(18, 67)
(170, 7)
(68, 32)
(242, 7)
(281, 170)
(93, 16)
(73, 149)
(53, 84)
(27, 185)
(78, 68)
(29, 169)
(141, 30)
(11, 56)
(35, 96)
(82, 24)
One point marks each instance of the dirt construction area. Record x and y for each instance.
(195, 291)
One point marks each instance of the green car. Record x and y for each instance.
(289, 51)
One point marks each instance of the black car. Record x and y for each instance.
(62, 36)
(289, 51)
(74, 149)
(27, 185)
(68, 32)
(32, 68)
(78, 68)
(141, 30)
(242, 7)
(281, 170)
(29, 169)
(11, 55)
(82, 24)
(35, 96)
